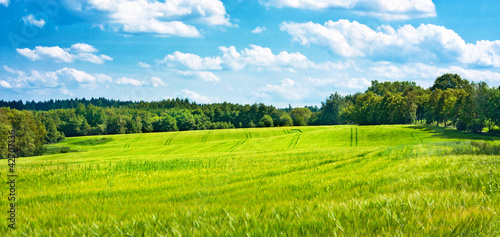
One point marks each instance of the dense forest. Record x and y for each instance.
(451, 101)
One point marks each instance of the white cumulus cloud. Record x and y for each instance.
(40, 52)
(153, 82)
(420, 71)
(143, 65)
(193, 61)
(30, 20)
(339, 83)
(83, 48)
(63, 78)
(166, 18)
(66, 91)
(79, 51)
(203, 75)
(288, 89)
(5, 84)
(156, 82)
(263, 58)
(5, 3)
(385, 9)
(129, 81)
(79, 76)
(407, 43)
(208, 76)
(257, 57)
(258, 30)
(193, 96)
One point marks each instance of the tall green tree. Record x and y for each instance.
(364, 111)
(30, 134)
(442, 105)
(53, 135)
(381, 88)
(285, 120)
(300, 116)
(493, 110)
(185, 120)
(5, 129)
(450, 81)
(330, 112)
(164, 123)
(266, 121)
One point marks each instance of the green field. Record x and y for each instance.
(293, 181)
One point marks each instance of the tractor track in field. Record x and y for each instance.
(237, 185)
(341, 164)
(294, 141)
(205, 137)
(416, 141)
(290, 131)
(170, 150)
(238, 144)
(135, 140)
(249, 135)
(169, 140)
(419, 138)
(421, 141)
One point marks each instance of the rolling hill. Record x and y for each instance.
(292, 181)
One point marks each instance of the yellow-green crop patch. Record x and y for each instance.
(291, 181)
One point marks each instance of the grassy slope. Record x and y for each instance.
(297, 180)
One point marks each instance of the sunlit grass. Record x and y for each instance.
(397, 181)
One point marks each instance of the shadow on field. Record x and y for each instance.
(456, 134)
(93, 142)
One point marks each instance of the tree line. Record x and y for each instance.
(451, 101)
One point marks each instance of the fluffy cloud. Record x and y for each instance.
(385, 9)
(82, 52)
(288, 89)
(258, 30)
(203, 75)
(30, 19)
(5, 3)
(62, 78)
(157, 17)
(5, 84)
(263, 58)
(153, 81)
(106, 57)
(419, 71)
(156, 82)
(103, 78)
(424, 43)
(143, 65)
(34, 79)
(79, 76)
(193, 96)
(193, 61)
(129, 81)
(83, 48)
(66, 91)
(349, 84)
(257, 57)
(39, 52)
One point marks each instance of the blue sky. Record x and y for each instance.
(276, 52)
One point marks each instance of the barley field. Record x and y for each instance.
(398, 180)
